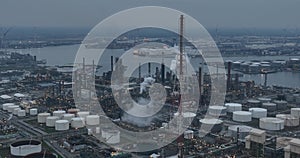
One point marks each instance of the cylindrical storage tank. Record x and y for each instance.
(243, 131)
(42, 117)
(258, 112)
(188, 134)
(295, 112)
(15, 111)
(187, 117)
(271, 123)
(264, 100)
(232, 107)
(83, 114)
(271, 107)
(113, 137)
(104, 132)
(33, 111)
(12, 107)
(25, 147)
(281, 104)
(68, 117)
(215, 125)
(242, 116)
(97, 130)
(90, 132)
(253, 103)
(73, 111)
(6, 105)
(77, 122)
(289, 120)
(92, 120)
(59, 113)
(21, 113)
(217, 111)
(50, 121)
(62, 125)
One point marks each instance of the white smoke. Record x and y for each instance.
(135, 120)
(147, 82)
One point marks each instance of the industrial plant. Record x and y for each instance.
(39, 117)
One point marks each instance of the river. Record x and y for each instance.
(62, 55)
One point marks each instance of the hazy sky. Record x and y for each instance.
(210, 13)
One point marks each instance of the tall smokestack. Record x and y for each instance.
(112, 63)
(84, 72)
(181, 45)
(229, 76)
(149, 69)
(266, 79)
(200, 81)
(140, 75)
(163, 73)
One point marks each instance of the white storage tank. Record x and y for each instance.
(289, 120)
(258, 112)
(243, 131)
(12, 107)
(50, 121)
(92, 120)
(187, 117)
(83, 114)
(97, 130)
(90, 132)
(188, 134)
(281, 104)
(42, 117)
(113, 137)
(271, 107)
(25, 147)
(21, 113)
(6, 105)
(59, 113)
(271, 123)
(15, 111)
(68, 117)
(33, 111)
(62, 125)
(232, 107)
(253, 103)
(77, 122)
(295, 112)
(264, 100)
(217, 111)
(215, 125)
(242, 116)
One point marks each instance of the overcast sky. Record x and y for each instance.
(210, 13)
